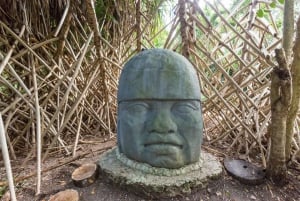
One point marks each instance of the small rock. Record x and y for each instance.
(218, 193)
(209, 190)
(252, 197)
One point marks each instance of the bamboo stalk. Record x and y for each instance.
(8, 141)
(78, 132)
(38, 130)
(6, 59)
(61, 22)
(7, 161)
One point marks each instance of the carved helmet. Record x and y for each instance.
(158, 74)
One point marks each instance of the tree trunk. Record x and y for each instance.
(288, 29)
(138, 26)
(280, 100)
(295, 71)
(93, 22)
(184, 28)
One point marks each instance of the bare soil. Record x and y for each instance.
(58, 179)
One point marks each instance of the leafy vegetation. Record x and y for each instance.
(2, 190)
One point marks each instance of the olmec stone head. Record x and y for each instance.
(159, 110)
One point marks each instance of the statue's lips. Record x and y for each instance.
(163, 141)
(163, 144)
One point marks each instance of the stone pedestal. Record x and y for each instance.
(154, 182)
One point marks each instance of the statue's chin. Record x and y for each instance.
(170, 157)
(165, 162)
(164, 165)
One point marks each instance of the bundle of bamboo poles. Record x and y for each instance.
(58, 88)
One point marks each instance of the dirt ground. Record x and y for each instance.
(58, 179)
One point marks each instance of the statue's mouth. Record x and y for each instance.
(163, 144)
(160, 141)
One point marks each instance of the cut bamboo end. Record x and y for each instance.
(66, 195)
(85, 175)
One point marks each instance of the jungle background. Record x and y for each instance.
(61, 59)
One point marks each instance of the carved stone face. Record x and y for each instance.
(159, 113)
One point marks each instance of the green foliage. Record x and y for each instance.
(260, 13)
(103, 8)
(162, 12)
(106, 10)
(203, 98)
(100, 9)
(2, 190)
(273, 5)
(159, 41)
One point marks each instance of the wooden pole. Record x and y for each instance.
(38, 131)
(7, 161)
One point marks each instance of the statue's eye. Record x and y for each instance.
(185, 107)
(137, 107)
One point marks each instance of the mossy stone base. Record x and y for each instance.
(158, 186)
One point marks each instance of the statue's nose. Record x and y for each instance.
(162, 122)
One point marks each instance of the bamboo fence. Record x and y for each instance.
(59, 82)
